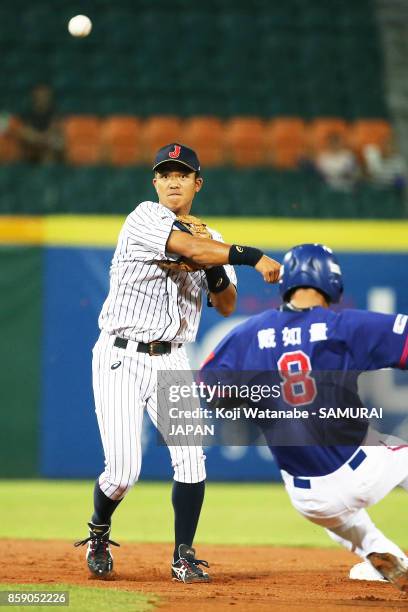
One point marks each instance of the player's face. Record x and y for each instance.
(176, 187)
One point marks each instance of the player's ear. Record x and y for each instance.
(199, 183)
(154, 181)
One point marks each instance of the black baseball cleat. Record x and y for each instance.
(98, 556)
(392, 568)
(186, 569)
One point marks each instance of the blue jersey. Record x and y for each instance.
(314, 340)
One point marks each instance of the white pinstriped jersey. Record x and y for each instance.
(146, 303)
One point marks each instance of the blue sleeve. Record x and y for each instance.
(234, 351)
(375, 340)
(225, 355)
(222, 366)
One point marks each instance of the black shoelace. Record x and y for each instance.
(97, 540)
(196, 563)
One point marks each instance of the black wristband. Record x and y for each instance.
(217, 279)
(244, 255)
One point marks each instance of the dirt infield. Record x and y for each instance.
(244, 578)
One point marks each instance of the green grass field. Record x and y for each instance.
(254, 514)
(88, 599)
(241, 514)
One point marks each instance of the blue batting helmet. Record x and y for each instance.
(311, 265)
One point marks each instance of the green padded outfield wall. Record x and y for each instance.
(20, 359)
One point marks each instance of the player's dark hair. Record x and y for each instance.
(160, 171)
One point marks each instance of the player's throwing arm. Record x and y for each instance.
(205, 252)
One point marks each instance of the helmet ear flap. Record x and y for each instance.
(337, 288)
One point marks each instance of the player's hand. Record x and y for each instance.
(269, 268)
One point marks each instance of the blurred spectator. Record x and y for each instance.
(386, 167)
(337, 164)
(41, 134)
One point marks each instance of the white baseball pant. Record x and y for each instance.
(125, 384)
(337, 501)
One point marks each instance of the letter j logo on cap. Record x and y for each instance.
(174, 154)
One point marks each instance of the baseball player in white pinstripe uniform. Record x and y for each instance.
(148, 316)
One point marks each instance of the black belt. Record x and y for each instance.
(151, 348)
(354, 463)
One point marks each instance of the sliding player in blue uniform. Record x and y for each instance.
(332, 483)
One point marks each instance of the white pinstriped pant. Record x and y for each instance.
(121, 396)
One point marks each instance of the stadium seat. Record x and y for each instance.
(10, 150)
(240, 41)
(369, 131)
(320, 129)
(285, 141)
(158, 131)
(120, 140)
(206, 136)
(244, 139)
(82, 139)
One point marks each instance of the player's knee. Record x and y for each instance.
(189, 469)
(120, 489)
(116, 488)
(133, 479)
(125, 486)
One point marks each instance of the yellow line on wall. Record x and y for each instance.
(72, 230)
(21, 230)
(340, 234)
(277, 234)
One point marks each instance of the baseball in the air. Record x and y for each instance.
(80, 26)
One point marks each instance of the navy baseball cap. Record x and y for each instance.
(176, 152)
